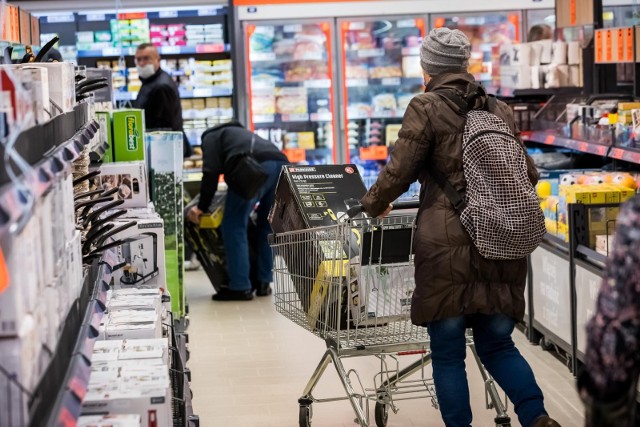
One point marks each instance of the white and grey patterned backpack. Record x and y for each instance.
(500, 208)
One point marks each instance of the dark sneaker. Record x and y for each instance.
(264, 289)
(230, 295)
(545, 421)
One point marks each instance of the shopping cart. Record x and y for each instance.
(351, 284)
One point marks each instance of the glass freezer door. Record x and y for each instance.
(487, 32)
(290, 82)
(381, 74)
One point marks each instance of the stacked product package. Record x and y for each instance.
(41, 273)
(540, 64)
(559, 189)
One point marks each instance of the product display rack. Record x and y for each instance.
(206, 91)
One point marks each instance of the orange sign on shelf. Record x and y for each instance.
(376, 152)
(573, 12)
(629, 45)
(609, 49)
(599, 47)
(620, 45)
(132, 15)
(295, 155)
(4, 273)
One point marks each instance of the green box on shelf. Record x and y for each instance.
(105, 134)
(128, 135)
(164, 151)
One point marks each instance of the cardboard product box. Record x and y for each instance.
(165, 164)
(19, 357)
(36, 81)
(125, 420)
(19, 300)
(144, 251)
(105, 134)
(604, 243)
(150, 399)
(61, 85)
(128, 135)
(130, 178)
(308, 197)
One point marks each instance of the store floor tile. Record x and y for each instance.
(249, 365)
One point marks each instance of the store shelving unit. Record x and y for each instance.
(199, 91)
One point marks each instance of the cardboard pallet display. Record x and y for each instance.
(165, 165)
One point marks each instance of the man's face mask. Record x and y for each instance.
(146, 71)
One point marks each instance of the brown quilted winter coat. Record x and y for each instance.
(452, 278)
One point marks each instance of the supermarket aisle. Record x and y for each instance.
(250, 364)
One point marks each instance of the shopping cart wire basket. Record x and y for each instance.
(351, 284)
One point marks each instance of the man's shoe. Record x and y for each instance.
(192, 265)
(230, 295)
(545, 421)
(264, 289)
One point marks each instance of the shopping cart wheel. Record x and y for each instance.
(503, 421)
(382, 414)
(305, 416)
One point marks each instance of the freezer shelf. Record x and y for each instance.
(290, 80)
(381, 74)
(486, 32)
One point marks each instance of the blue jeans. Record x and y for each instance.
(234, 231)
(498, 353)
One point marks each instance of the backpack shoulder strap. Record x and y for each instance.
(454, 196)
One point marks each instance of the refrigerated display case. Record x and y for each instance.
(290, 81)
(487, 32)
(381, 74)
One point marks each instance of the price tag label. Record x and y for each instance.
(312, 56)
(620, 37)
(357, 82)
(407, 23)
(411, 51)
(370, 53)
(616, 153)
(264, 85)
(201, 93)
(292, 28)
(321, 117)
(168, 14)
(318, 84)
(573, 12)
(608, 57)
(295, 155)
(262, 56)
(391, 81)
(376, 152)
(601, 150)
(100, 17)
(386, 113)
(170, 50)
(210, 48)
(263, 118)
(550, 140)
(4, 273)
(295, 118)
(56, 19)
(111, 51)
(583, 146)
(357, 25)
(599, 46)
(629, 45)
(208, 12)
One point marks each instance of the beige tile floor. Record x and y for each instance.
(249, 366)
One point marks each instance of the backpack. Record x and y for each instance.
(500, 208)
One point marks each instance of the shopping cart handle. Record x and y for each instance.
(399, 206)
(353, 211)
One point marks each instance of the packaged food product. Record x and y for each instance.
(357, 72)
(384, 101)
(291, 101)
(385, 72)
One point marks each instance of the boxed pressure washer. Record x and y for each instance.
(314, 196)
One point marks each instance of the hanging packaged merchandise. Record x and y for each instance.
(130, 178)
